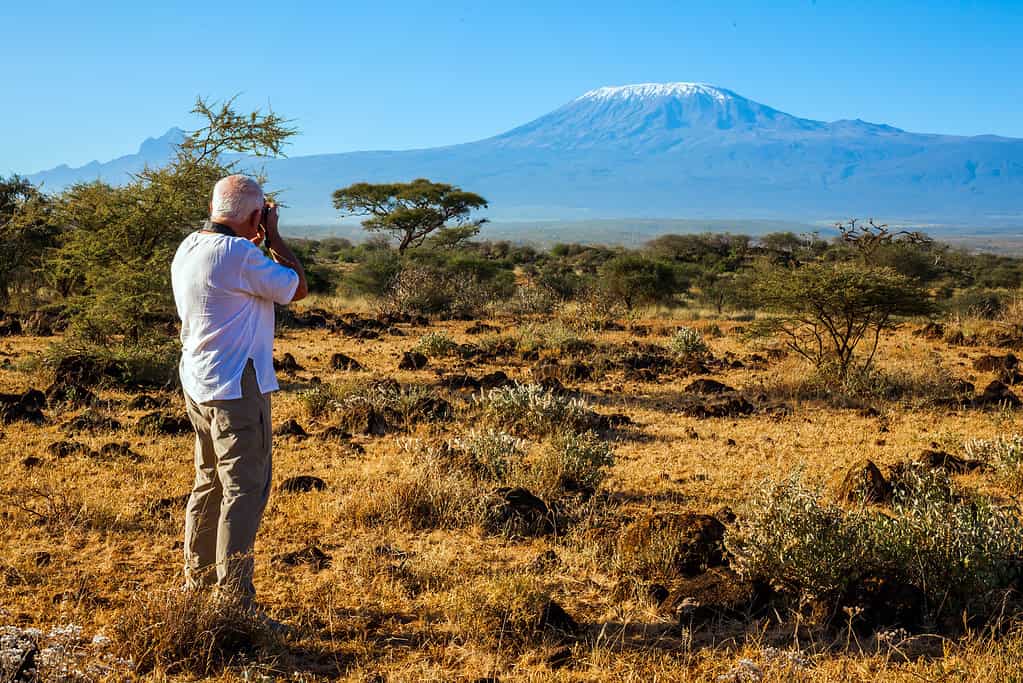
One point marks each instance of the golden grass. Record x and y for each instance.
(401, 603)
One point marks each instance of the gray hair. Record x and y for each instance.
(236, 196)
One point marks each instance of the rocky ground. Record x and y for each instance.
(394, 556)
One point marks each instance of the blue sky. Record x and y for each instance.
(90, 81)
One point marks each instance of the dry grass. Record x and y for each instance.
(418, 587)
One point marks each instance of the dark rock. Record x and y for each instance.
(613, 421)
(290, 427)
(163, 423)
(62, 449)
(287, 363)
(10, 325)
(334, 433)
(952, 464)
(147, 402)
(40, 324)
(990, 363)
(81, 370)
(340, 361)
(303, 483)
(720, 594)
(494, 380)
(715, 405)
(69, 395)
(419, 321)
(559, 658)
(430, 409)
(672, 544)
(577, 371)
(482, 328)
(42, 558)
(395, 332)
(90, 422)
(24, 407)
(725, 515)
(657, 593)
(413, 360)
(931, 330)
(519, 511)
(554, 618)
(31, 461)
(310, 555)
(118, 450)
(998, 394)
(864, 482)
(708, 386)
(880, 601)
(460, 383)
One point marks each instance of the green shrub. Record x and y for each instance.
(688, 343)
(529, 409)
(954, 550)
(436, 344)
(572, 462)
(1004, 454)
(493, 453)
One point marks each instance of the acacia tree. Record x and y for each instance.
(632, 279)
(412, 212)
(824, 311)
(117, 241)
(26, 232)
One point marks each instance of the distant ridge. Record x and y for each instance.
(668, 150)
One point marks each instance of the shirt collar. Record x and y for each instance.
(219, 228)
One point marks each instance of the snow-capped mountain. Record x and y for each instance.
(686, 150)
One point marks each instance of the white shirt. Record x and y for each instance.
(225, 288)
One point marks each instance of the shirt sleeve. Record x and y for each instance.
(261, 276)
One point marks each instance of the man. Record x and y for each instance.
(225, 289)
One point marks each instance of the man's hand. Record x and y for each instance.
(279, 251)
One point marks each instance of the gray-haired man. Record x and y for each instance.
(225, 289)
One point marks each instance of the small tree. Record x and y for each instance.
(26, 232)
(413, 211)
(826, 310)
(633, 279)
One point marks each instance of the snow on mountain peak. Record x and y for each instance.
(651, 90)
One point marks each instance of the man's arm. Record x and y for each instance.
(280, 253)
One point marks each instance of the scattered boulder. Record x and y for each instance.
(494, 380)
(90, 422)
(560, 658)
(667, 545)
(334, 433)
(952, 464)
(367, 420)
(992, 363)
(429, 409)
(998, 394)
(715, 405)
(287, 363)
(159, 422)
(554, 618)
(304, 483)
(878, 601)
(413, 360)
(461, 382)
(290, 427)
(31, 461)
(147, 402)
(118, 450)
(718, 594)
(10, 324)
(81, 370)
(23, 407)
(708, 386)
(311, 556)
(518, 511)
(69, 395)
(340, 361)
(482, 328)
(395, 332)
(931, 330)
(62, 449)
(864, 482)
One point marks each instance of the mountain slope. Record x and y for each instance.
(672, 150)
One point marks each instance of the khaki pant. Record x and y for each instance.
(233, 460)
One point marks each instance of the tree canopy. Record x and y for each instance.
(412, 212)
